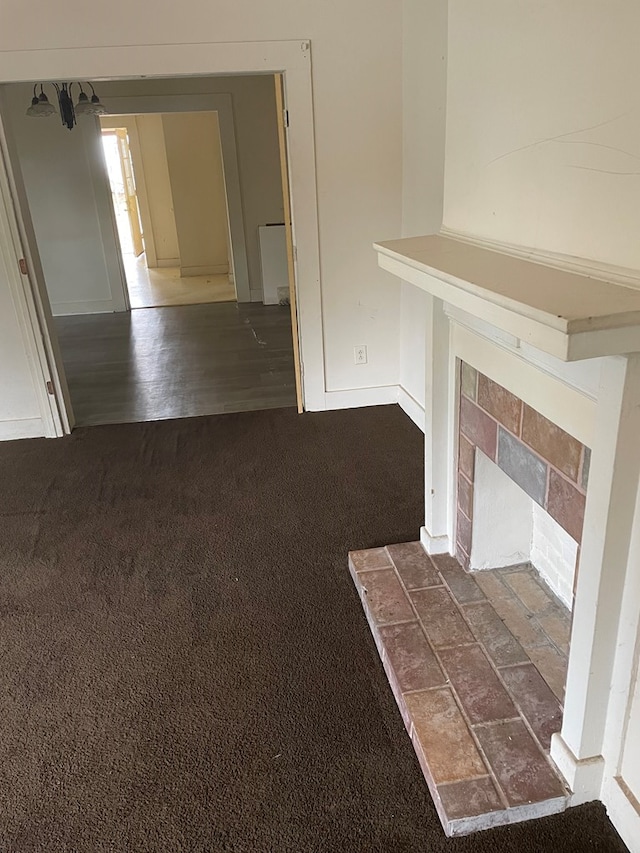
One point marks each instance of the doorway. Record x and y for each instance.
(166, 177)
(197, 64)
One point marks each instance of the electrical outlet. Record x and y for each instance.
(360, 354)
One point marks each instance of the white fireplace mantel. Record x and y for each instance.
(567, 315)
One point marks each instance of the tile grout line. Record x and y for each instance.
(516, 704)
(454, 692)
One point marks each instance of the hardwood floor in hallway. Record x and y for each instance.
(181, 361)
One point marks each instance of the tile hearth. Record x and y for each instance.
(477, 664)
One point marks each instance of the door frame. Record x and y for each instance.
(290, 58)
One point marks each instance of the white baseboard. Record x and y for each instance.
(354, 398)
(622, 811)
(167, 262)
(255, 295)
(98, 306)
(583, 776)
(410, 406)
(24, 428)
(434, 544)
(207, 269)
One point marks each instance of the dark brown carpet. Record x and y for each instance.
(184, 663)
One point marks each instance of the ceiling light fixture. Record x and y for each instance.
(41, 107)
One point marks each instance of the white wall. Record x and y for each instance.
(424, 75)
(156, 174)
(543, 125)
(194, 158)
(76, 240)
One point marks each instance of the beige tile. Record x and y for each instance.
(442, 734)
(468, 380)
(528, 590)
(466, 458)
(556, 624)
(492, 585)
(520, 622)
(552, 666)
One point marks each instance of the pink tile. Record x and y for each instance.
(502, 404)
(540, 707)
(386, 600)
(522, 771)
(552, 443)
(478, 427)
(469, 798)
(440, 617)
(478, 687)
(413, 565)
(372, 558)
(410, 657)
(566, 504)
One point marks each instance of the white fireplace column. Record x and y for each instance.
(438, 449)
(608, 524)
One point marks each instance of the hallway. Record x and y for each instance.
(176, 362)
(163, 286)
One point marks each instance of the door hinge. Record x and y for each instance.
(285, 115)
(50, 388)
(23, 266)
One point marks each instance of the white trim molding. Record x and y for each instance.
(411, 407)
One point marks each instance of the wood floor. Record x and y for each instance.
(176, 362)
(152, 288)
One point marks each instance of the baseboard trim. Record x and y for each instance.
(24, 428)
(411, 407)
(99, 306)
(583, 776)
(207, 269)
(167, 262)
(355, 398)
(434, 544)
(623, 810)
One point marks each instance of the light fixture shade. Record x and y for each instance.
(86, 107)
(95, 108)
(40, 107)
(81, 108)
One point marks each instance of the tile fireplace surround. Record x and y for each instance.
(558, 346)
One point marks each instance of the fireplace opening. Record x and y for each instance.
(510, 529)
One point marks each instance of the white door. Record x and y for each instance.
(26, 282)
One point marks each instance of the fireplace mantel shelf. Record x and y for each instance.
(567, 315)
